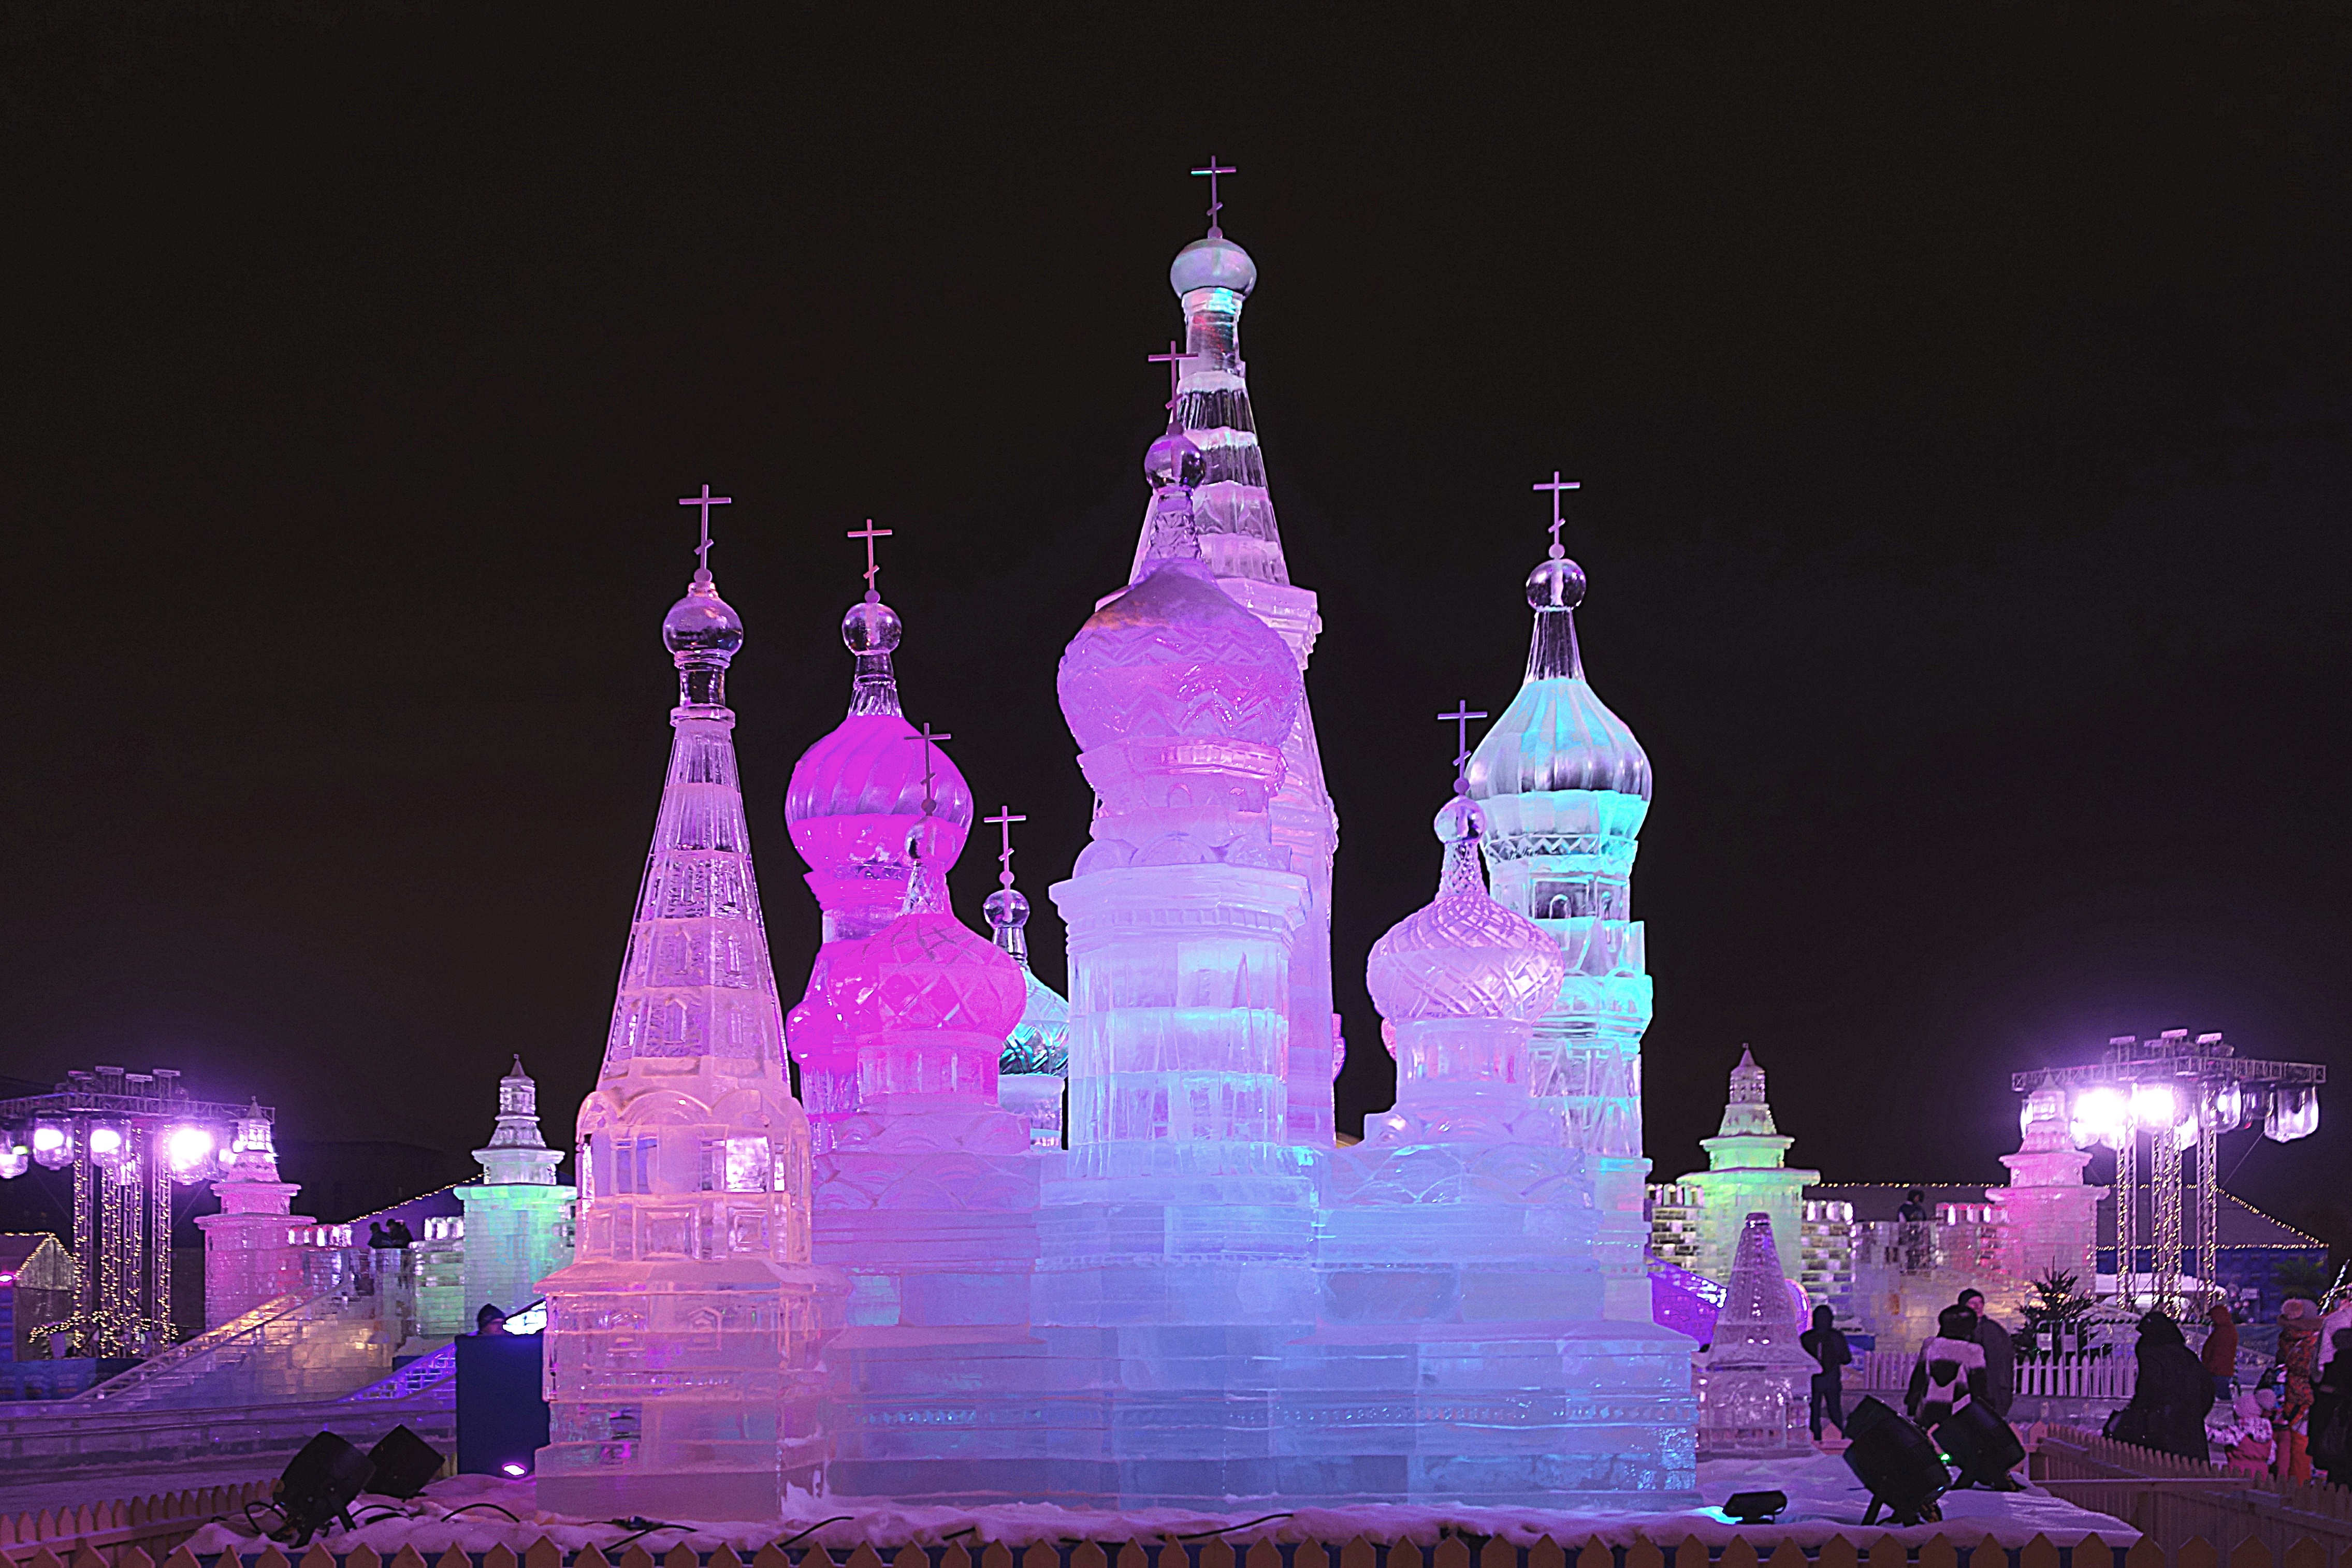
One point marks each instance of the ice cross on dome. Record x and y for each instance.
(1003, 821)
(929, 739)
(1460, 719)
(1216, 207)
(870, 533)
(1174, 358)
(1555, 487)
(706, 501)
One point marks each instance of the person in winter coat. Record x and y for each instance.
(2251, 1449)
(2173, 1391)
(2329, 1444)
(2298, 1367)
(2220, 1352)
(1828, 1348)
(2001, 1356)
(1950, 1370)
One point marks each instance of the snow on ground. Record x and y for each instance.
(1824, 1501)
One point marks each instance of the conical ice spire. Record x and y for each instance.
(1228, 513)
(696, 982)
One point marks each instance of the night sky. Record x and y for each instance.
(1960, 392)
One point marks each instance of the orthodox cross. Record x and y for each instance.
(870, 533)
(1216, 207)
(1003, 821)
(1460, 719)
(929, 740)
(1556, 485)
(1174, 359)
(706, 501)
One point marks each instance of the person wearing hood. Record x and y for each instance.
(2173, 1392)
(1950, 1370)
(2298, 1368)
(2254, 1444)
(2220, 1352)
(2330, 1435)
(1828, 1348)
(2001, 1356)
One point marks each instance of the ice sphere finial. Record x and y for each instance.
(1213, 262)
(702, 631)
(1006, 910)
(871, 630)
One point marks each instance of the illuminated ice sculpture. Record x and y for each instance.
(1565, 787)
(681, 1342)
(1755, 1378)
(1746, 1175)
(1457, 1246)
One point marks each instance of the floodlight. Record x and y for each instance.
(2154, 1104)
(107, 1144)
(1897, 1462)
(1982, 1445)
(1755, 1507)
(53, 1143)
(319, 1485)
(16, 1155)
(188, 1150)
(2101, 1116)
(403, 1463)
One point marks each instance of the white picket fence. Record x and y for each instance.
(2066, 1375)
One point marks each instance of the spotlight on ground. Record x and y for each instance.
(403, 1463)
(1755, 1507)
(1897, 1462)
(319, 1485)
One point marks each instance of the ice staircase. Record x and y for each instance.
(291, 1349)
(425, 1376)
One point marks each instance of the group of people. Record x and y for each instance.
(1970, 1358)
(2298, 1419)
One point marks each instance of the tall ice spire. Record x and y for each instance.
(1210, 502)
(1566, 787)
(1035, 1065)
(681, 1341)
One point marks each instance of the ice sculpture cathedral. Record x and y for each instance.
(932, 1287)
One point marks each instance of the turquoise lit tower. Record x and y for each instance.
(1747, 1172)
(1565, 788)
(517, 1216)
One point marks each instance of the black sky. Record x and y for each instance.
(1960, 395)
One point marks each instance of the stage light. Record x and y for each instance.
(106, 1144)
(188, 1150)
(1982, 1445)
(319, 1485)
(511, 1468)
(2153, 1104)
(2101, 1115)
(403, 1463)
(53, 1143)
(16, 1155)
(1897, 1462)
(1755, 1507)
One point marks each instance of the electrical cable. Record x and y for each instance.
(1207, 1534)
(839, 1519)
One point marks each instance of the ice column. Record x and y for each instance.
(1565, 787)
(1746, 1173)
(1232, 528)
(680, 1342)
(1177, 1247)
(1755, 1379)
(2052, 1216)
(249, 1257)
(518, 1217)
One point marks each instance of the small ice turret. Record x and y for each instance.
(1747, 1172)
(681, 1342)
(1034, 1072)
(1565, 787)
(518, 1218)
(1755, 1379)
(248, 1259)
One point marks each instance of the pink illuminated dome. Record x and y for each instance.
(858, 798)
(1463, 955)
(1174, 657)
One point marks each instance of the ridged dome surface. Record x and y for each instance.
(871, 767)
(1175, 658)
(1463, 955)
(926, 971)
(1557, 735)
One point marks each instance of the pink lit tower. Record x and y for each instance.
(681, 1342)
(1232, 532)
(1565, 788)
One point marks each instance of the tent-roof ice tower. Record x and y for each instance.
(1210, 501)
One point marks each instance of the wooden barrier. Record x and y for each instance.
(2175, 1501)
(120, 1535)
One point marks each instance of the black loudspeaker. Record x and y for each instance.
(1982, 1445)
(1755, 1507)
(1894, 1460)
(403, 1463)
(319, 1485)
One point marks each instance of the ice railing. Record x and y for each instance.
(185, 1362)
(2069, 1374)
(420, 1376)
(1962, 1236)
